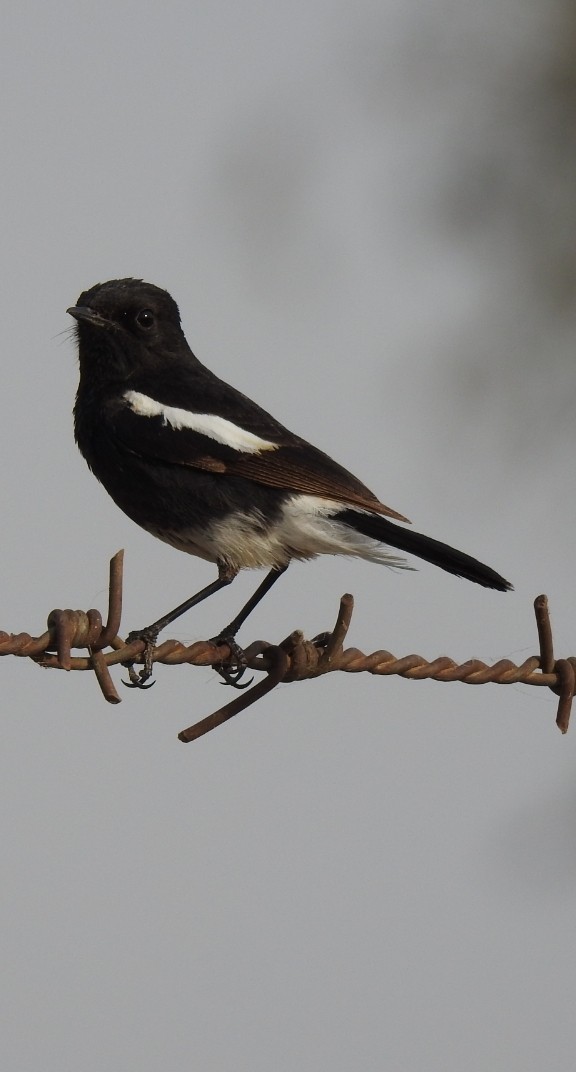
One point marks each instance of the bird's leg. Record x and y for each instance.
(228, 634)
(138, 680)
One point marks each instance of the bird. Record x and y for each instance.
(202, 467)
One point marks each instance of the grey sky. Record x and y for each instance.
(367, 219)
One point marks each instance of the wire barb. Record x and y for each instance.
(295, 659)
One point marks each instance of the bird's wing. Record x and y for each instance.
(234, 437)
(302, 467)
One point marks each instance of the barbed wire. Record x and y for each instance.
(294, 659)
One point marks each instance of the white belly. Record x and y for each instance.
(304, 529)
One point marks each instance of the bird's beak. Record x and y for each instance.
(83, 312)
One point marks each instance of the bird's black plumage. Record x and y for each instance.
(201, 466)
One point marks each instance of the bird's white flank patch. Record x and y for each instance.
(218, 428)
(306, 527)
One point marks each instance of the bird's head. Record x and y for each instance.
(124, 326)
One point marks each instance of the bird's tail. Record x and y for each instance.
(439, 554)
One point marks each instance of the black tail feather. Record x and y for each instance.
(439, 554)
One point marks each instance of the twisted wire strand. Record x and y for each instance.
(295, 659)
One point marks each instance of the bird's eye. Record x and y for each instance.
(145, 319)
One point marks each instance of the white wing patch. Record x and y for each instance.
(217, 428)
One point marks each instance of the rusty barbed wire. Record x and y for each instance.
(295, 659)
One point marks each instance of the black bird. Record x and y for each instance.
(202, 467)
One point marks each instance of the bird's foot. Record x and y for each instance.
(139, 679)
(235, 667)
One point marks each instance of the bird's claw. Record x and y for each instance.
(139, 679)
(232, 677)
(231, 671)
(234, 669)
